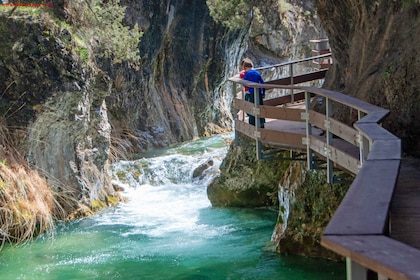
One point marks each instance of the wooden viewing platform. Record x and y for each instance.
(377, 225)
(405, 205)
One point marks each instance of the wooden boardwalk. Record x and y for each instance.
(377, 225)
(405, 205)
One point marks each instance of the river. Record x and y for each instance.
(166, 230)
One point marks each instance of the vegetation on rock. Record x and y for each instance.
(246, 181)
(53, 113)
(234, 14)
(28, 207)
(310, 205)
(100, 25)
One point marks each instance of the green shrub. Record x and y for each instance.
(100, 23)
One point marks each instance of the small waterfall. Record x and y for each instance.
(194, 162)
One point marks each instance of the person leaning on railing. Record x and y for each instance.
(250, 74)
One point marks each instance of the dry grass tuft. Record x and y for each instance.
(27, 205)
(122, 144)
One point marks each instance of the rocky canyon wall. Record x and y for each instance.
(376, 59)
(75, 109)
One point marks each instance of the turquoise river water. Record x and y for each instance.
(166, 230)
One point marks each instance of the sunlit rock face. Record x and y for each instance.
(54, 108)
(180, 90)
(285, 31)
(173, 95)
(376, 58)
(76, 116)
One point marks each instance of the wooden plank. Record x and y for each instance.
(336, 127)
(364, 209)
(385, 149)
(341, 152)
(375, 113)
(317, 119)
(281, 113)
(405, 206)
(344, 131)
(384, 255)
(282, 138)
(345, 159)
(299, 79)
(245, 128)
(243, 105)
(323, 51)
(374, 116)
(284, 99)
(373, 131)
(288, 63)
(348, 101)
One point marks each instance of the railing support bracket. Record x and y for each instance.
(304, 116)
(327, 124)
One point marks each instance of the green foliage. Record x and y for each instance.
(83, 54)
(232, 13)
(407, 3)
(100, 23)
(34, 11)
(315, 204)
(246, 181)
(389, 70)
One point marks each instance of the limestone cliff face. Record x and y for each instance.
(285, 29)
(180, 90)
(75, 110)
(55, 109)
(171, 97)
(376, 58)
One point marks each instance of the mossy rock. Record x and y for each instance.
(109, 200)
(314, 203)
(246, 181)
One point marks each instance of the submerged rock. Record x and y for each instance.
(198, 172)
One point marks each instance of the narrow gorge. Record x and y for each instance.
(86, 83)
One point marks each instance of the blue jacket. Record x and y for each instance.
(254, 76)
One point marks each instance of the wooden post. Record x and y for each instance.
(355, 271)
(235, 119)
(328, 113)
(292, 96)
(308, 131)
(364, 146)
(243, 98)
(258, 124)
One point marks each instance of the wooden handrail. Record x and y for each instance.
(359, 228)
(297, 61)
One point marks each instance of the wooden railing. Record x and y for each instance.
(359, 229)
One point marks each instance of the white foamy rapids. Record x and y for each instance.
(164, 198)
(171, 168)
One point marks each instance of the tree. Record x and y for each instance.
(233, 14)
(100, 23)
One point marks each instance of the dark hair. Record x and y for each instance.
(247, 63)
